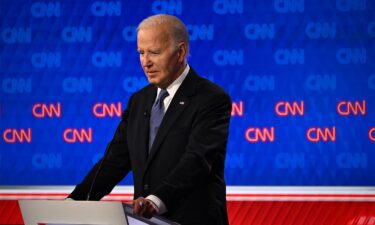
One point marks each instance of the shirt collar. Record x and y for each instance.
(173, 87)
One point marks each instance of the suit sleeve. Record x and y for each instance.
(206, 145)
(115, 166)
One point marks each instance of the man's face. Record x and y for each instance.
(161, 60)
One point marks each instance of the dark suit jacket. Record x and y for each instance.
(185, 167)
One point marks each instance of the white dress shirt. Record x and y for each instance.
(173, 87)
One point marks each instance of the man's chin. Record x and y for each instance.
(158, 83)
(153, 81)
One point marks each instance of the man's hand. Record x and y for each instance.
(144, 207)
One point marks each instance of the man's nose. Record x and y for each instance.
(146, 61)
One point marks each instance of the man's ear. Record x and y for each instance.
(182, 51)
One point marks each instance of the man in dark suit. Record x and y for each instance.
(172, 135)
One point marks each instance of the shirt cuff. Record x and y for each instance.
(158, 203)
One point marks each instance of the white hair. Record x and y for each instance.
(175, 26)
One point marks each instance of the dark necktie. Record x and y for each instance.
(157, 114)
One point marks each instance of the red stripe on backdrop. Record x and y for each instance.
(2, 195)
(265, 213)
(10, 212)
(303, 195)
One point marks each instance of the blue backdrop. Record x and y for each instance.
(301, 75)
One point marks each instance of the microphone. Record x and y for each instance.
(98, 170)
(146, 114)
(124, 116)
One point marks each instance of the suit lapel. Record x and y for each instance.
(179, 102)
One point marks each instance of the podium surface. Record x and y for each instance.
(35, 212)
